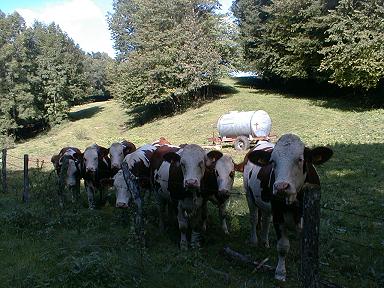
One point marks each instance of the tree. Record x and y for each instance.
(41, 75)
(354, 54)
(282, 38)
(96, 67)
(339, 41)
(168, 50)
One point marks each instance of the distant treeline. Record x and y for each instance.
(337, 41)
(42, 74)
(170, 53)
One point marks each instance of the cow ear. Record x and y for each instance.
(54, 159)
(129, 148)
(172, 157)
(259, 157)
(318, 155)
(213, 156)
(239, 167)
(103, 152)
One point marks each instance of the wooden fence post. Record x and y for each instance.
(4, 170)
(26, 180)
(309, 268)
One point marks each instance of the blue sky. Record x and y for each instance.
(83, 20)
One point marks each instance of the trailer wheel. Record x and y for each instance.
(241, 143)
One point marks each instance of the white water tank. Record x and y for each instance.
(254, 123)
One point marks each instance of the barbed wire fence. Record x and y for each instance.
(20, 174)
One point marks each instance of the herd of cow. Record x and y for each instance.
(186, 177)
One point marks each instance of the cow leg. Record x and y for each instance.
(91, 194)
(253, 211)
(162, 208)
(76, 192)
(282, 251)
(204, 215)
(223, 216)
(60, 192)
(139, 217)
(266, 218)
(197, 227)
(183, 226)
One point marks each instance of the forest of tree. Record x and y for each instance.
(42, 74)
(171, 52)
(337, 41)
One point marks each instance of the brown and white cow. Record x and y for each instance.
(217, 184)
(97, 169)
(132, 181)
(275, 185)
(117, 152)
(68, 166)
(179, 179)
(259, 206)
(138, 166)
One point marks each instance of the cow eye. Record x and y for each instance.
(217, 173)
(232, 174)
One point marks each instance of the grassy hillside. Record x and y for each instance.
(41, 245)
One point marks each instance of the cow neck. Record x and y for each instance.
(175, 183)
(209, 182)
(266, 177)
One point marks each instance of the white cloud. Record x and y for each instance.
(82, 20)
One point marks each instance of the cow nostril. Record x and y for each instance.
(121, 205)
(281, 186)
(191, 183)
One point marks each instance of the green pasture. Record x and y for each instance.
(42, 245)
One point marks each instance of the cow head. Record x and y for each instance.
(118, 151)
(291, 161)
(192, 160)
(71, 166)
(121, 188)
(225, 175)
(92, 155)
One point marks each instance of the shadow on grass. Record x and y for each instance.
(141, 115)
(102, 242)
(321, 94)
(84, 113)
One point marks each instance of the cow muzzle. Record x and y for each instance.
(115, 166)
(121, 205)
(283, 190)
(191, 183)
(223, 193)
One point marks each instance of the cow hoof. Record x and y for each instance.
(195, 245)
(281, 277)
(265, 244)
(183, 245)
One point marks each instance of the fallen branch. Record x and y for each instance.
(327, 284)
(257, 265)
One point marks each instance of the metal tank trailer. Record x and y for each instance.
(243, 128)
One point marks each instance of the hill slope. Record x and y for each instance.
(59, 248)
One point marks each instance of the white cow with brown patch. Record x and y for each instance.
(276, 186)
(97, 171)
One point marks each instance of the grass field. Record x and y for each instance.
(44, 246)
